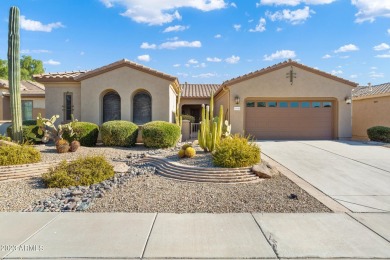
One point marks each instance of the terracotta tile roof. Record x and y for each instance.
(198, 90)
(366, 91)
(282, 65)
(27, 87)
(58, 76)
(122, 63)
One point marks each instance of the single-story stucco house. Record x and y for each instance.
(33, 100)
(371, 107)
(286, 101)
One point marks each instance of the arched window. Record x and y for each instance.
(142, 108)
(111, 106)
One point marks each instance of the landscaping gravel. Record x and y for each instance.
(141, 190)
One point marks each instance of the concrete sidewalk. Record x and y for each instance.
(195, 236)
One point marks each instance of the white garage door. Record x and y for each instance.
(273, 119)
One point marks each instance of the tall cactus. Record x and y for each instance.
(14, 74)
(178, 117)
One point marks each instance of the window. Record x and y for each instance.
(68, 106)
(327, 104)
(261, 104)
(305, 104)
(250, 104)
(111, 106)
(27, 110)
(142, 108)
(294, 104)
(316, 104)
(272, 104)
(283, 104)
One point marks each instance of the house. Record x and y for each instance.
(286, 101)
(33, 100)
(371, 107)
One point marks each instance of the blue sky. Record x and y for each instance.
(207, 41)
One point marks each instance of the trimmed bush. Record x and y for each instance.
(84, 132)
(188, 117)
(379, 134)
(18, 154)
(28, 127)
(160, 134)
(81, 172)
(236, 152)
(119, 133)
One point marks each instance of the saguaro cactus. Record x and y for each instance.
(14, 74)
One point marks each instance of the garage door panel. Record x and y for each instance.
(289, 123)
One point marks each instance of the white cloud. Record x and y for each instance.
(369, 10)
(294, 17)
(382, 47)
(388, 31)
(344, 57)
(336, 72)
(31, 25)
(326, 56)
(82, 53)
(180, 44)
(383, 56)
(346, 48)
(233, 59)
(214, 59)
(146, 45)
(176, 65)
(237, 27)
(260, 27)
(279, 29)
(52, 62)
(375, 75)
(34, 51)
(217, 36)
(294, 2)
(233, 5)
(353, 76)
(192, 61)
(205, 75)
(182, 74)
(201, 65)
(175, 28)
(144, 57)
(374, 68)
(282, 54)
(157, 12)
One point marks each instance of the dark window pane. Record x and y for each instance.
(305, 104)
(27, 108)
(250, 104)
(142, 108)
(283, 104)
(261, 104)
(272, 104)
(111, 106)
(327, 104)
(68, 107)
(294, 104)
(316, 104)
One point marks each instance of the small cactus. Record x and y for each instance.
(62, 146)
(190, 152)
(181, 153)
(74, 145)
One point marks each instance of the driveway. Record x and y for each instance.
(355, 174)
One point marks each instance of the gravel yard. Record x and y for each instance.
(149, 192)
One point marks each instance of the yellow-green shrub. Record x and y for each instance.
(81, 172)
(119, 133)
(160, 134)
(18, 154)
(236, 152)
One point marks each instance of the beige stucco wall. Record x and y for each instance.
(306, 85)
(369, 112)
(222, 99)
(54, 99)
(127, 82)
(38, 106)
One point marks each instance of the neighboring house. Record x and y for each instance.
(286, 101)
(33, 100)
(371, 107)
(121, 90)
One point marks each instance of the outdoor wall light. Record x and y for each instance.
(237, 100)
(348, 100)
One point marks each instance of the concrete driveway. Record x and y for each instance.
(355, 174)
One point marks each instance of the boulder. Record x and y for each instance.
(4, 142)
(264, 170)
(120, 167)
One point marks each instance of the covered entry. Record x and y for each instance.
(289, 119)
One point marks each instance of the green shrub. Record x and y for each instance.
(81, 172)
(236, 152)
(84, 132)
(18, 154)
(119, 133)
(160, 134)
(188, 117)
(28, 127)
(379, 134)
